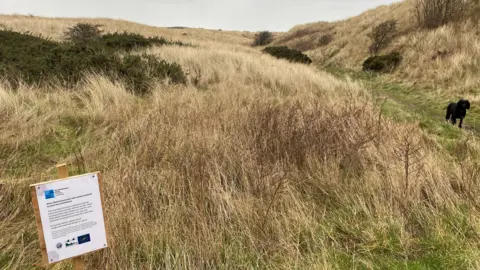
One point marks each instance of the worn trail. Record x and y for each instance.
(412, 103)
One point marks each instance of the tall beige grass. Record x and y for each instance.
(55, 27)
(445, 58)
(255, 163)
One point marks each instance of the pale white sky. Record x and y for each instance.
(249, 15)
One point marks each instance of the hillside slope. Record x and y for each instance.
(54, 28)
(253, 163)
(445, 59)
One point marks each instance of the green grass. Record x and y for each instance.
(45, 152)
(383, 244)
(4, 260)
(409, 104)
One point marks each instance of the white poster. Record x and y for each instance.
(72, 216)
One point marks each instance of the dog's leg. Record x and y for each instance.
(461, 122)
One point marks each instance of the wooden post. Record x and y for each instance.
(36, 210)
(78, 263)
(63, 173)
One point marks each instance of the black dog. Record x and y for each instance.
(457, 110)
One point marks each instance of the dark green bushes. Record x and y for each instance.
(91, 34)
(35, 61)
(129, 41)
(141, 71)
(83, 32)
(382, 63)
(263, 38)
(283, 52)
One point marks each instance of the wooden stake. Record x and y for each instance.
(78, 263)
(63, 173)
(36, 210)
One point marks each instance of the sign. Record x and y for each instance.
(70, 218)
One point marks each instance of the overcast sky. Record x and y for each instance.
(250, 15)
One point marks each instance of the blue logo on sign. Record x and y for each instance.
(49, 194)
(83, 239)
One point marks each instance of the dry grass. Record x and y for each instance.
(54, 28)
(256, 163)
(445, 58)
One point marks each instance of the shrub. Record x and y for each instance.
(67, 65)
(128, 41)
(23, 57)
(36, 61)
(263, 38)
(382, 63)
(91, 34)
(431, 14)
(283, 52)
(83, 32)
(325, 40)
(139, 72)
(382, 35)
